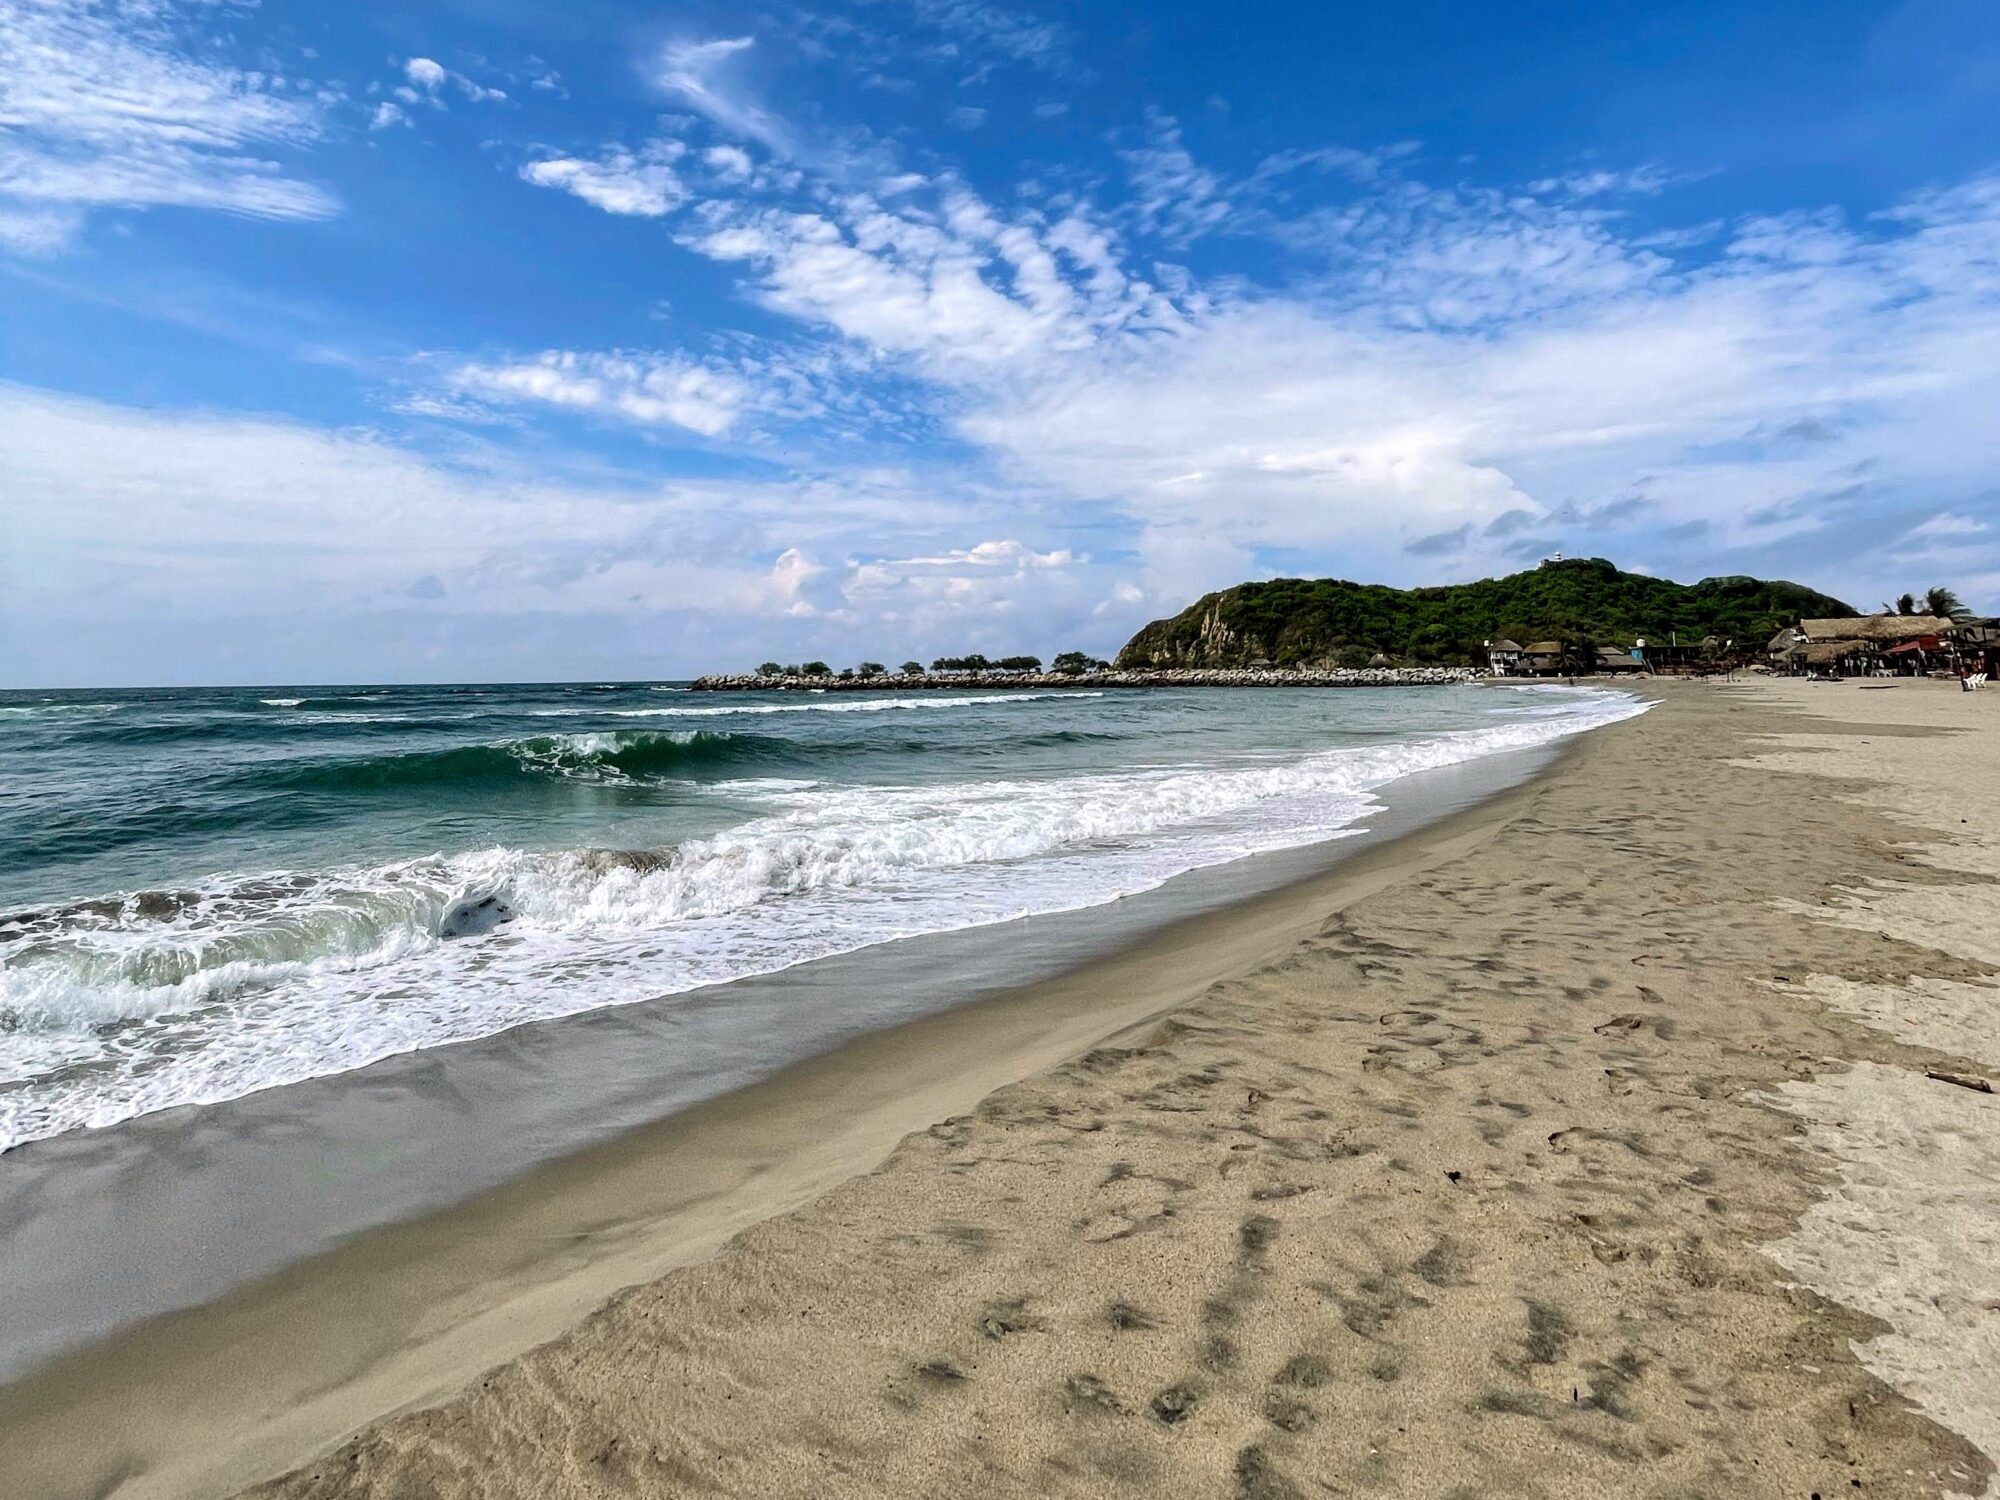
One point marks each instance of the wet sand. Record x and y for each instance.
(1582, 1144)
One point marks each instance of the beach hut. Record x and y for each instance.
(1860, 644)
(1503, 657)
(1542, 658)
(1978, 644)
(1827, 658)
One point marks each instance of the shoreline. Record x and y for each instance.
(1591, 1145)
(1496, 1183)
(459, 1288)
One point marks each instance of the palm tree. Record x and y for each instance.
(1946, 605)
(1906, 604)
(1576, 655)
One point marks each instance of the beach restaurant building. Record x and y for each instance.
(1868, 645)
(1544, 659)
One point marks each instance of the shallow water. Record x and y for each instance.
(211, 892)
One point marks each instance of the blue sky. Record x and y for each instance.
(502, 339)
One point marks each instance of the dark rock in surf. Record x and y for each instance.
(474, 915)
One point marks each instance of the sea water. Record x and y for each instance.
(208, 892)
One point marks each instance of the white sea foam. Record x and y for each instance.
(259, 981)
(54, 710)
(281, 702)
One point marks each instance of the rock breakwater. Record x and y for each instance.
(1114, 678)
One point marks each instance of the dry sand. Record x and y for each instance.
(1584, 1150)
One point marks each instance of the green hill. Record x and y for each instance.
(1330, 622)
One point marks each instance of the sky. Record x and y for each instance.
(506, 340)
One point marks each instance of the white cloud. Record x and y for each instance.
(387, 114)
(426, 79)
(652, 390)
(38, 231)
(967, 117)
(1462, 354)
(103, 105)
(154, 546)
(1945, 524)
(1015, 36)
(945, 281)
(701, 75)
(731, 163)
(1452, 357)
(1000, 594)
(1173, 195)
(644, 185)
(1600, 182)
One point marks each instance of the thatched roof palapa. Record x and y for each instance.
(1879, 629)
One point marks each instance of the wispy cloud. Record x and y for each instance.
(703, 76)
(1440, 357)
(103, 104)
(1173, 195)
(986, 32)
(480, 559)
(653, 390)
(642, 184)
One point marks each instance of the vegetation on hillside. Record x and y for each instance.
(1330, 622)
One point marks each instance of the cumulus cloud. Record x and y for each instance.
(103, 104)
(427, 79)
(997, 594)
(731, 163)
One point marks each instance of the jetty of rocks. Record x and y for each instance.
(1328, 677)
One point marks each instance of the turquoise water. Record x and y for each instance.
(208, 892)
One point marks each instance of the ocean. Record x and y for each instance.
(209, 892)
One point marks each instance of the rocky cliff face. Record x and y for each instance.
(1205, 640)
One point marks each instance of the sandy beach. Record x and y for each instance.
(1610, 1137)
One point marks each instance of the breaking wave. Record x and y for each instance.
(117, 1007)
